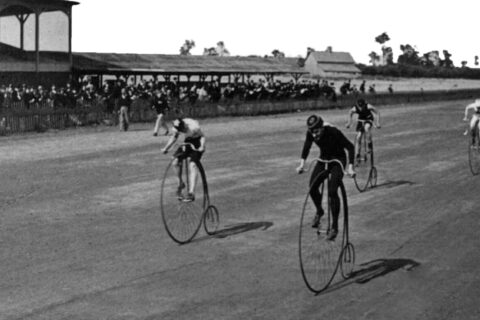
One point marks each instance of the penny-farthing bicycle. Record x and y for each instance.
(366, 173)
(474, 149)
(181, 217)
(321, 258)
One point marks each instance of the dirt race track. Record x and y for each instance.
(81, 235)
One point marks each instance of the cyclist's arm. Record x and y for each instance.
(201, 148)
(171, 141)
(305, 151)
(350, 116)
(471, 106)
(376, 113)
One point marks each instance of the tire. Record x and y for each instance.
(363, 166)
(347, 260)
(474, 153)
(211, 220)
(373, 177)
(181, 219)
(319, 257)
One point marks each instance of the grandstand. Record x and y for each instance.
(20, 65)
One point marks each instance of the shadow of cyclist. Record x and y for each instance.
(231, 230)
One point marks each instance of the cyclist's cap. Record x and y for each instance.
(314, 122)
(361, 102)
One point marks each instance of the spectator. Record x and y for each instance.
(390, 88)
(371, 89)
(160, 105)
(362, 87)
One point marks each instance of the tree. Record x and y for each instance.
(430, 59)
(221, 50)
(447, 62)
(301, 62)
(210, 52)
(382, 38)
(387, 52)
(309, 50)
(278, 54)
(464, 64)
(374, 58)
(186, 47)
(409, 55)
(476, 60)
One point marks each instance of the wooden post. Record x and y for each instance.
(37, 43)
(22, 18)
(70, 54)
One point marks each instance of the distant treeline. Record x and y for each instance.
(418, 71)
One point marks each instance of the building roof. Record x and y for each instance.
(85, 62)
(14, 7)
(332, 57)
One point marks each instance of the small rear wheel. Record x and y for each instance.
(211, 220)
(347, 260)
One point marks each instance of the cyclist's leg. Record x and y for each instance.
(358, 143)
(319, 174)
(194, 157)
(474, 127)
(368, 135)
(336, 176)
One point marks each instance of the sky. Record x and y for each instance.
(257, 27)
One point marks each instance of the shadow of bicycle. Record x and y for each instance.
(234, 229)
(368, 271)
(392, 184)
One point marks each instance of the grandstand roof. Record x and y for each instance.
(178, 64)
(14, 7)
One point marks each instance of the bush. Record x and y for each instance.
(411, 71)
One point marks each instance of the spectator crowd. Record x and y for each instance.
(108, 95)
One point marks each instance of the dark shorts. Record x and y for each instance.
(361, 125)
(184, 152)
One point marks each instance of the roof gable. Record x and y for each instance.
(332, 57)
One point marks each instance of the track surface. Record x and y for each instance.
(81, 235)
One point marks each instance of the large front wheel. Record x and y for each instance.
(320, 257)
(474, 151)
(182, 217)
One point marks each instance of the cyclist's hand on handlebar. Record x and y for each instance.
(164, 151)
(465, 119)
(300, 170)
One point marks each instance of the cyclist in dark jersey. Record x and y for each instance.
(367, 114)
(332, 144)
(475, 106)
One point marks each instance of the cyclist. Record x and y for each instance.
(367, 113)
(193, 135)
(332, 144)
(475, 117)
(160, 105)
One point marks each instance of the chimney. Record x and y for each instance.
(329, 49)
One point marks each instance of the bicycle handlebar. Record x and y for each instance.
(326, 162)
(372, 121)
(185, 144)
